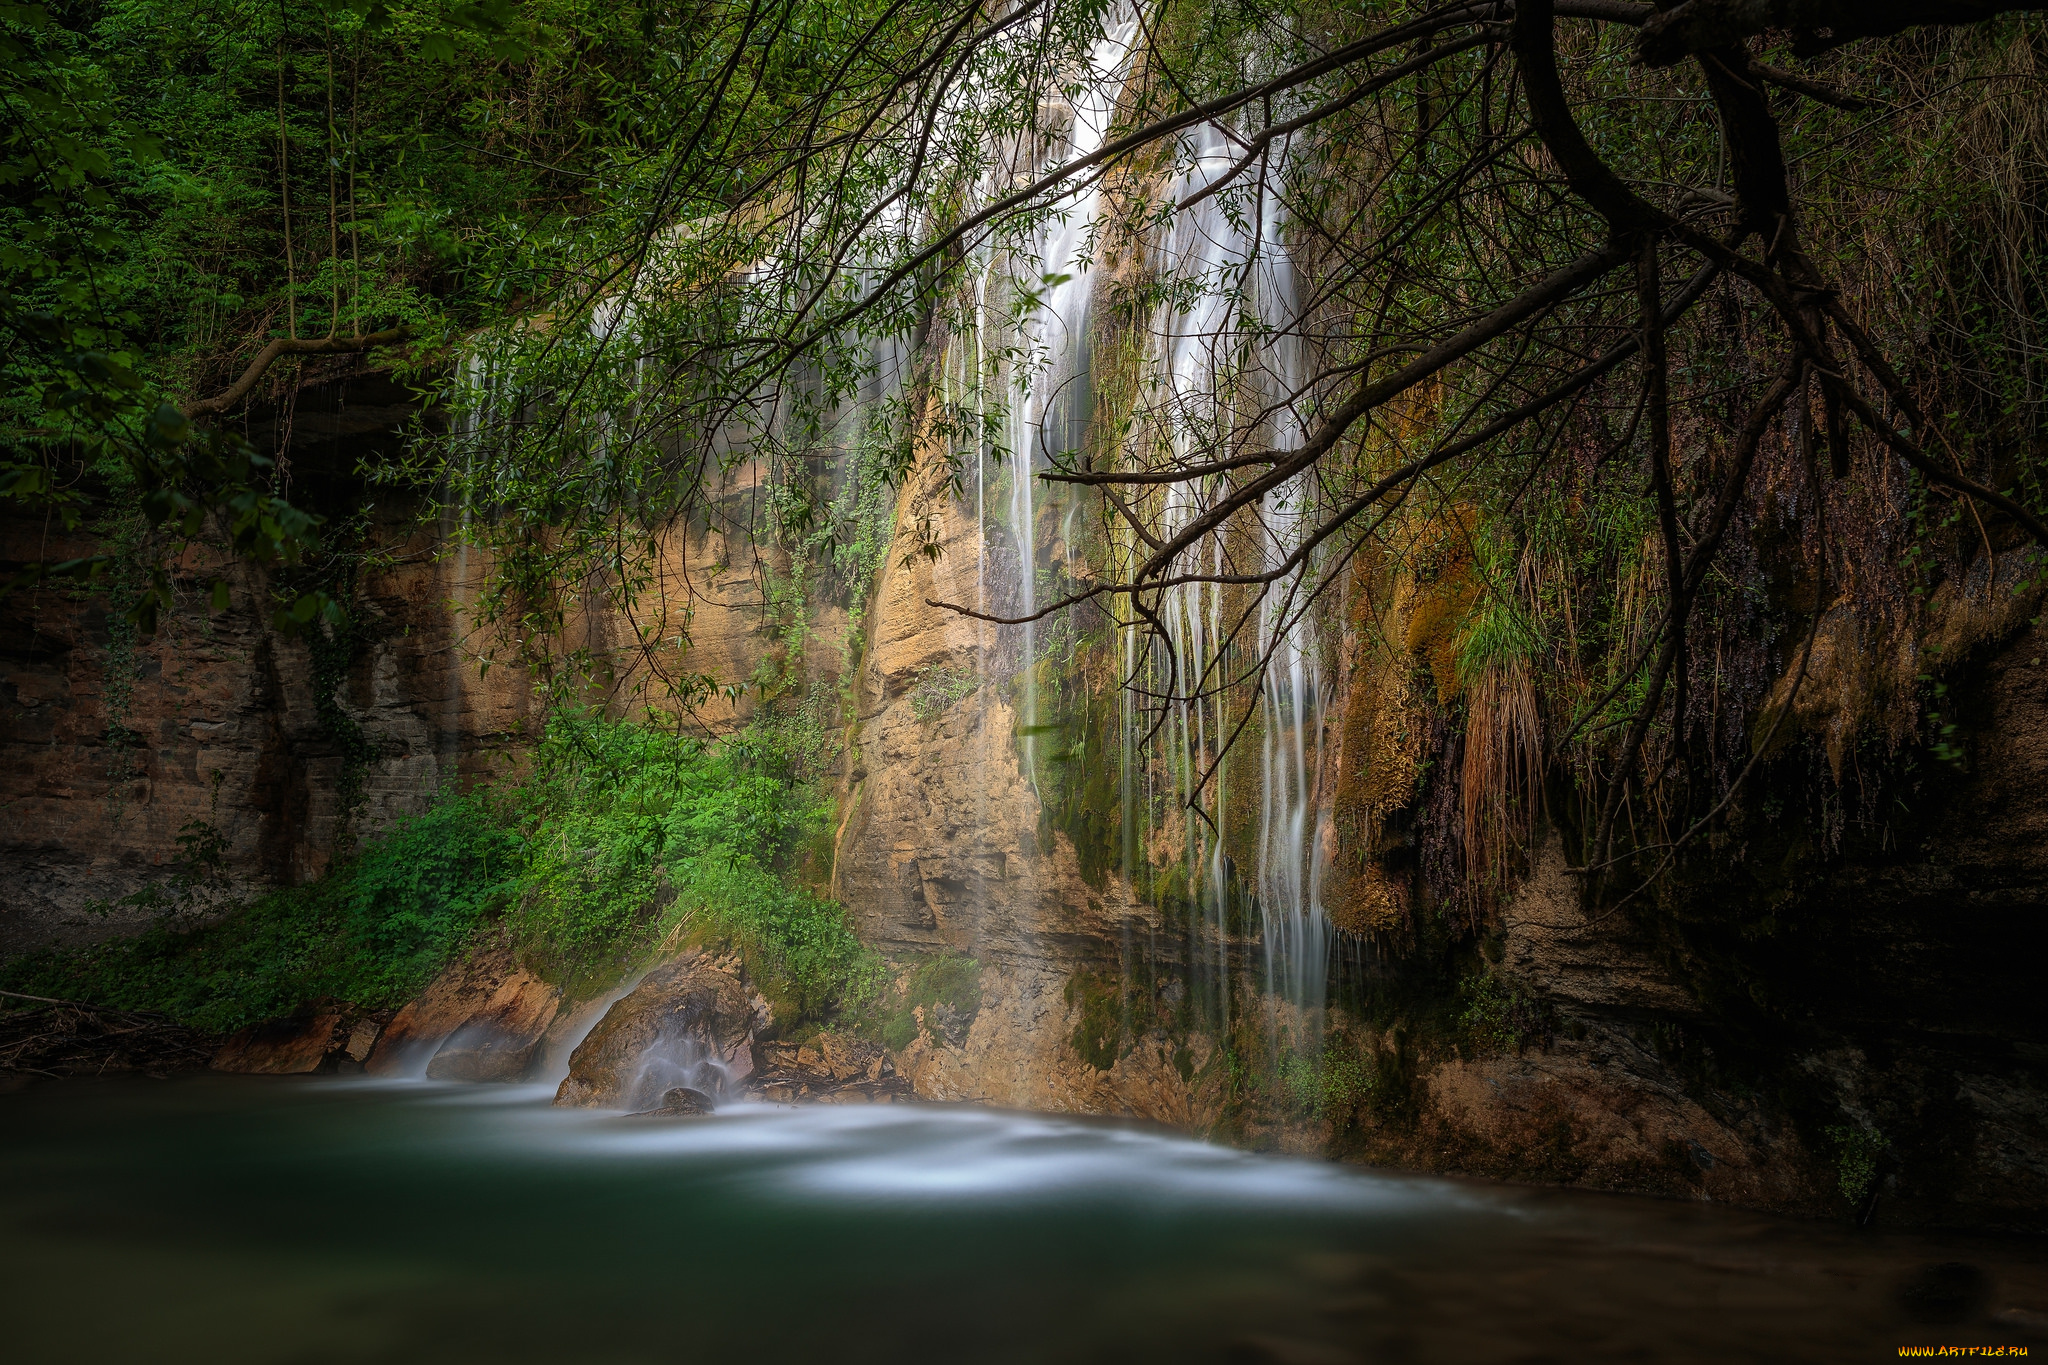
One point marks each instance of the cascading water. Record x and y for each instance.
(1296, 932)
(473, 416)
(1224, 348)
(1048, 394)
(1233, 348)
(1225, 364)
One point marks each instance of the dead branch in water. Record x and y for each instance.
(70, 1038)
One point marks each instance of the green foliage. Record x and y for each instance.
(1856, 1155)
(373, 932)
(797, 946)
(939, 687)
(641, 837)
(1496, 1017)
(179, 186)
(632, 838)
(1325, 1086)
(1941, 723)
(627, 816)
(415, 895)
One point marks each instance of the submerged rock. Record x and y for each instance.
(689, 1023)
(680, 1103)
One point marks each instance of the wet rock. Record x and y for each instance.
(690, 1022)
(489, 988)
(498, 1040)
(298, 1045)
(680, 1102)
(361, 1039)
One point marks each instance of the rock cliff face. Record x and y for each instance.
(1817, 1014)
(941, 850)
(112, 746)
(1803, 999)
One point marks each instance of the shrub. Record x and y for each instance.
(372, 932)
(638, 834)
(632, 836)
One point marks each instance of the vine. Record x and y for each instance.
(333, 644)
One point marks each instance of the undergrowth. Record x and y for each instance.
(374, 931)
(642, 837)
(624, 839)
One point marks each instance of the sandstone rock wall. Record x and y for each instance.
(112, 745)
(1908, 966)
(940, 848)
(110, 749)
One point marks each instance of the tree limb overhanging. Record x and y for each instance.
(1461, 187)
(278, 348)
(1697, 26)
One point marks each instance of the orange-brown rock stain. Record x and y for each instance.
(1407, 603)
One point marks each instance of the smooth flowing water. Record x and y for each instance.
(232, 1219)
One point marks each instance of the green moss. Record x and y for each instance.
(1856, 1153)
(1099, 1033)
(947, 988)
(1078, 769)
(1499, 1017)
(1330, 1085)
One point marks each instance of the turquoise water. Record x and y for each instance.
(231, 1219)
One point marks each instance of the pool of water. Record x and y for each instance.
(232, 1219)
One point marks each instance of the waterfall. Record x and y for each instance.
(1221, 353)
(1048, 399)
(474, 412)
(1231, 352)
(1296, 932)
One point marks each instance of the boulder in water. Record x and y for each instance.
(689, 1023)
(498, 1039)
(322, 1036)
(509, 1007)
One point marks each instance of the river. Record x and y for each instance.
(240, 1219)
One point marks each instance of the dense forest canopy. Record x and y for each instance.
(1652, 333)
